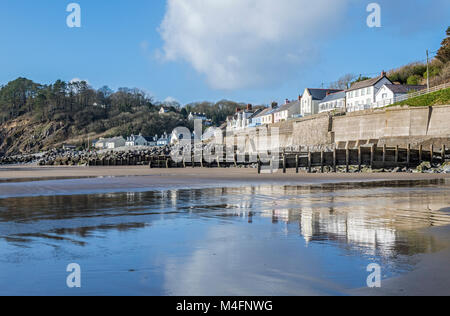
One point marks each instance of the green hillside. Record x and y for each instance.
(436, 98)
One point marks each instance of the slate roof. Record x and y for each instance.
(264, 112)
(366, 83)
(334, 96)
(398, 88)
(287, 106)
(320, 94)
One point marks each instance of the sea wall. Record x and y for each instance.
(391, 126)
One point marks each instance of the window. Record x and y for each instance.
(363, 92)
(384, 96)
(369, 90)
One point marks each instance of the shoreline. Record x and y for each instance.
(35, 181)
(10, 173)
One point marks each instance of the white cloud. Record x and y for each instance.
(247, 43)
(170, 100)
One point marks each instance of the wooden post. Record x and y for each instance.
(271, 164)
(167, 163)
(431, 154)
(372, 155)
(201, 158)
(235, 159)
(408, 155)
(309, 161)
(347, 160)
(443, 154)
(420, 153)
(321, 161)
(193, 159)
(284, 163)
(384, 155)
(335, 160)
(296, 163)
(259, 165)
(359, 158)
(218, 161)
(396, 154)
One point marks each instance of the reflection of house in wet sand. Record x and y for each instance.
(372, 227)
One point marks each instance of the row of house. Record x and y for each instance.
(132, 141)
(362, 95)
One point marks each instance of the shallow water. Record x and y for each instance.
(258, 240)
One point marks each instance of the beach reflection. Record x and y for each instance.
(208, 241)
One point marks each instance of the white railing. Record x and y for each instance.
(387, 102)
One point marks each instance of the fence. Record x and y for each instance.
(410, 95)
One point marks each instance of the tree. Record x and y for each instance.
(343, 82)
(443, 53)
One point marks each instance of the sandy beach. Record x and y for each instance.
(430, 276)
(226, 174)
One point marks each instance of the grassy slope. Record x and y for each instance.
(436, 98)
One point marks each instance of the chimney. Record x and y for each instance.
(249, 107)
(238, 110)
(286, 101)
(383, 74)
(274, 105)
(299, 97)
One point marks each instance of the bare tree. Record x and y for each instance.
(343, 82)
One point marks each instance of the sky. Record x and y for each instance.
(254, 51)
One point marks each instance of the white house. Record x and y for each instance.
(163, 110)
(311, 99)
(197, 116)
(389, 93)
(361, 95)
(269, 117)
(164, 140)
(287, 111)
(241, 119)
(139, 140)
(110, 143)
(333, 101)
(257, 119)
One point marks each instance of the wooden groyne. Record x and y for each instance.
(309, 160)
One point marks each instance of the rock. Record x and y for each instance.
(396, 169)
(424, 166)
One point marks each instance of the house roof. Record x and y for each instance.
(398, 88)
(264, 112)
(320, 94)
(256, 113)
(287, 106)
(334, 96)
(367, 83)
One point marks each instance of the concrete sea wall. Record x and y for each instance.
(391, 126)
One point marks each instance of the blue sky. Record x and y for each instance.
(242, 50)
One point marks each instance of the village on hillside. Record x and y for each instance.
(362, 95)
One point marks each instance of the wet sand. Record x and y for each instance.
(430, 277)
(229, 174)
(48, 181)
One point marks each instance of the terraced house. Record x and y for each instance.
(361, 95)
